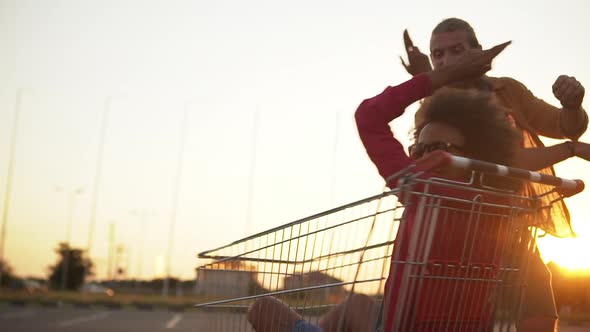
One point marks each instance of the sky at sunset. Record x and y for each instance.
(269, 89)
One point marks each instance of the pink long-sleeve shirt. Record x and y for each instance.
(387, 153)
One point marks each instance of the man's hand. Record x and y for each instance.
(418, 62)
(569, 92)
(582, 150)
(473, 64)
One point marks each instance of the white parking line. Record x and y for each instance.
(172, 323)
(17, 314)
(84, 319)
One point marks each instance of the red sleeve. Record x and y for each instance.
(373, 117)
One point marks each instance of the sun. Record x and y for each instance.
(571, 254)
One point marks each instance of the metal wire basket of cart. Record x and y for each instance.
(436, 254)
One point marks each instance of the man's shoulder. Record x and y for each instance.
(505, 83)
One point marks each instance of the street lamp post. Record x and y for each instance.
(142, 215)
(175, 199)
(97, 175)
(8, 192)
(335, 160)
(98, 172)
(252, 174)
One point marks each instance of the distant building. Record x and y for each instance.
(225, 280)
(331, 294)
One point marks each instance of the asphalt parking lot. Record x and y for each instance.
(67, 318)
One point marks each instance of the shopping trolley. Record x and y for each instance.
(434, 254)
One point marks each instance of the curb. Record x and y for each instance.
(81, 305)
(143, 306)
(17, 303)
(49, 304)
(112, 306)
(177, 308)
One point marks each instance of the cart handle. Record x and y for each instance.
(565, 187)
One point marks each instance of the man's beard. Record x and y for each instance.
(480, 84)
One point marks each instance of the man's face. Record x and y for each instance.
(447, 47)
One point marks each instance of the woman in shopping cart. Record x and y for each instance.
(462, 123)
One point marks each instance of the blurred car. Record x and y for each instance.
(95, 288)
(31, 286)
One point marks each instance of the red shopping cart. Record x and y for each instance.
(438, 255)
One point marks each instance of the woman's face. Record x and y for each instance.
(438, 136)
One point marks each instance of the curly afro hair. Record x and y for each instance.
(487, 133)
